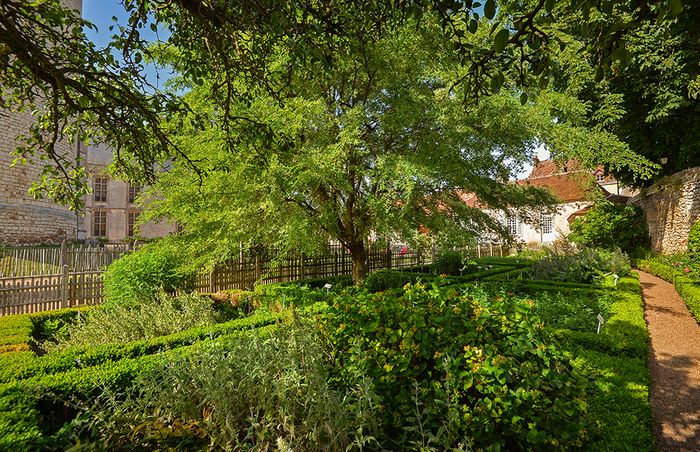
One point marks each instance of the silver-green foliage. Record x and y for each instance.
(154, 317)
(257, 393)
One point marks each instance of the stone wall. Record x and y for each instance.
(671, 207)
(24, 219)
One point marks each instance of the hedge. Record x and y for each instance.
(23, 367)
(615, 362)
(20, 414)
(687, 288)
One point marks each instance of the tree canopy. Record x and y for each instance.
(77, 90)
(378, 143)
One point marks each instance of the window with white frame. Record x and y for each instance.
(599, 176)
(514, 225)
(547, 223)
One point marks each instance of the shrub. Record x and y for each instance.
(263, 393)
(586, 266)
(385, 279)
(608, 226)
(139, 276)
(453, 369)
(160, 316)
(694, 238)
(448, 263)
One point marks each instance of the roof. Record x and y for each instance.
(567, 187)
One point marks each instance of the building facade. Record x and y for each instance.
(24, 219)
(111, 210)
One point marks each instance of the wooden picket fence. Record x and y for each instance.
(35, 293)
(49, 260)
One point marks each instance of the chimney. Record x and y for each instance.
(536, 161)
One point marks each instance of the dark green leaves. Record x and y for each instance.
(501, 40)
(490, 9)
(675, 6)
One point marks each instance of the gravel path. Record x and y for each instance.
(674, 362)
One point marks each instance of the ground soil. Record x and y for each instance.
(674, 363)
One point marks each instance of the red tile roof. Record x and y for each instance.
(568, 187)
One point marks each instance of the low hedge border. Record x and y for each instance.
(687, 288)
(20, 401)
(26, 367)
(615, 363)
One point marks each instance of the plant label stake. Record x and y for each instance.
(617, 277)
(328, 287)
(601, 321)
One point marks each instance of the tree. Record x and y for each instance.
(79, 91)
(377, 143)
(648, 95)
(608, 225)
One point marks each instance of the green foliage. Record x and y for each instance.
(385, 279)
(154, 317)
(586, 266)
(276, 394)
(137, 277)
(455, 368)
(694, 238)
(448, 263)
(611, 226)
(89, 355)
(573, 310)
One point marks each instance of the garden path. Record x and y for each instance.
(674, 363)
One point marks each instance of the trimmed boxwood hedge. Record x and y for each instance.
(91, 356)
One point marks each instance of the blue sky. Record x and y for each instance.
(101, 13)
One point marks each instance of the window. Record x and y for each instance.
(131, 218)
(514, 225)
(100, 189)
(99, 223)
(133, 192)
(547, 223)
(599, 177)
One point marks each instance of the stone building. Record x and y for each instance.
(111, 213)
(24, 219)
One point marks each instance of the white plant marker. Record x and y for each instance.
(616, 277)
(328, 287)
(601, 321)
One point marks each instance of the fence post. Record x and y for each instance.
(336, 271)
(388, 257)
(64, 287)
(302, 271)
(491, 248)
(211, 280)
(63, 255)
(478, 250)
(257, 267)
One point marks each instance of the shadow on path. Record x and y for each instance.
(674, 364)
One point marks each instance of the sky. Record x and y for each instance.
(101, 13)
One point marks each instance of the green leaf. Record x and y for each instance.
(501, 40)
(675, 6)
(473, 25)
(523, 98)
(490, 9)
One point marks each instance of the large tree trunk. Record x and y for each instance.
(359, 262)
